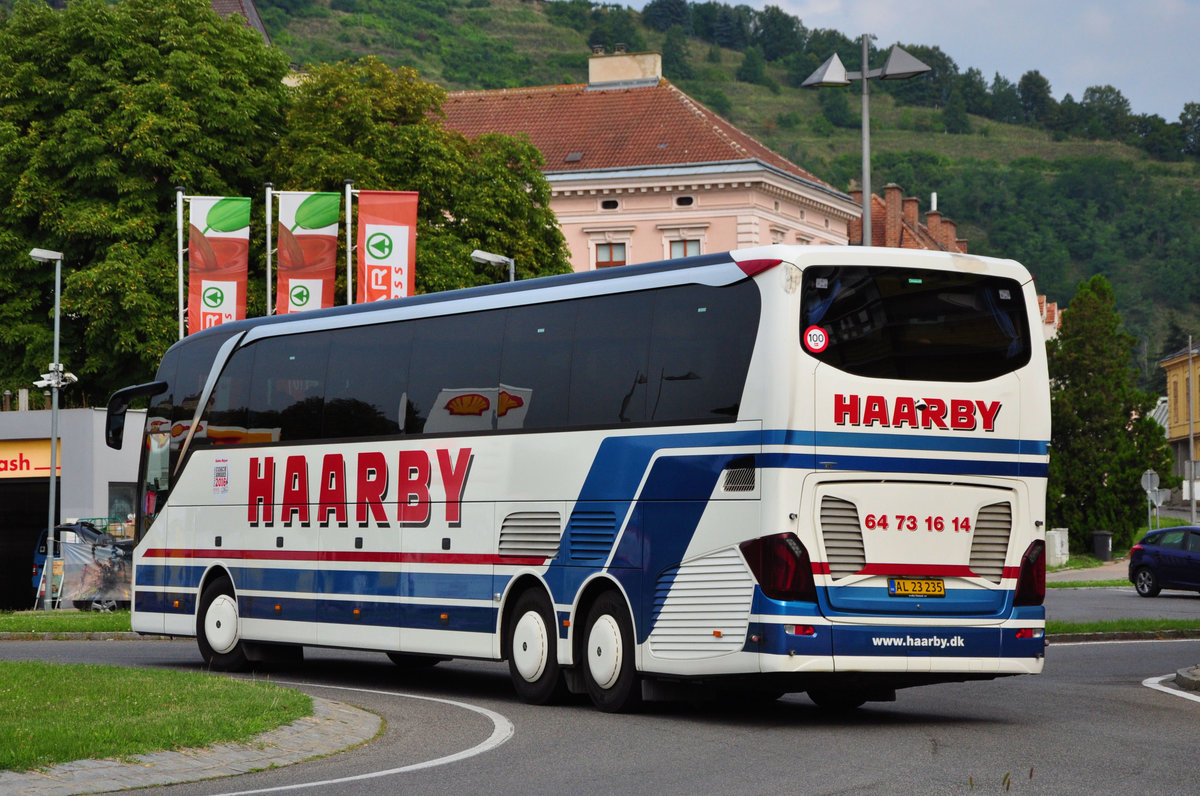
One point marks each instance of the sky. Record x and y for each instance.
(1148, 49)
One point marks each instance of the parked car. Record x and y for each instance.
(81, 532)
(1168, 558)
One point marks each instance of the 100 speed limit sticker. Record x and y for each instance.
(815, 339)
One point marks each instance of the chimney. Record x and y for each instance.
(854, 230)
(950, 235)
(893, 196)
(933, 220)
(962, 245)
(623, 70)
(910, 211)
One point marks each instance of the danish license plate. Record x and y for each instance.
(916, 587)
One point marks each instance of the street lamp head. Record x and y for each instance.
(830, 73)
(480, 256)
(45, 255)
(901, 65)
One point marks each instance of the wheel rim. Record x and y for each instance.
(1143, 580)
(530, 646)
(221, 624)
(604, 651)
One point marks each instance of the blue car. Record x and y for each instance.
(1168, 558)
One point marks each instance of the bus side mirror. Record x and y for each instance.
(118, 404)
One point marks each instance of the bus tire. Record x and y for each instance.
(217, 628)
(609, 668)
(533, 650)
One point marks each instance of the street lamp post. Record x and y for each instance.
(54, 379)
(898, 66)
(480, 256)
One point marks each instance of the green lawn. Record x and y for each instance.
(56, 713)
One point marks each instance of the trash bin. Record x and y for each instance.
(1102, 545)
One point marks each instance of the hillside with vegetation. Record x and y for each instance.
(1072, 187)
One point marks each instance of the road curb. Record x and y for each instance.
(1189, 678)
(1126, 635)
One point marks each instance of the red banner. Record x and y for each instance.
(218, 253)
(387, 244)
(308, 240)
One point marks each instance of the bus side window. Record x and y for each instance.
(367, 382)
(535, 370)
(226, 416)
(454, 373)
(700, 351)
(288, 386)
(609, 363)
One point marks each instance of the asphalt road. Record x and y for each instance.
(1102, 604)
(1084, 726)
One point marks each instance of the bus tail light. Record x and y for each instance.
(782, 567)
(1031, 582)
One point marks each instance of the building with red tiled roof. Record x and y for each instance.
(640, 171)
(247, 10)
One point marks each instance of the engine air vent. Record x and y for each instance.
(530, 534)
(989, 542)
(842, 535)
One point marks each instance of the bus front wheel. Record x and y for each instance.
(533, 650)
(217, 628)
(609, 669)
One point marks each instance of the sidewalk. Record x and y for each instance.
(1117, 569)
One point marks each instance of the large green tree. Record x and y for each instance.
(1103, 438)
(104, 108)
(381, 128)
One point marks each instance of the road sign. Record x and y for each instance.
(1149, 480)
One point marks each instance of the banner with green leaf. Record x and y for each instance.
(307, 249)
(218, 257)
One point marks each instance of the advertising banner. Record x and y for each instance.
(96, 572)
(308, 241)
(218, 254)
(387, 244)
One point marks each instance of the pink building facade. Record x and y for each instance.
(640, 171)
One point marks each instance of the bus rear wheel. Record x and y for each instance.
(218, 629)
(609, 670)
(533, 650)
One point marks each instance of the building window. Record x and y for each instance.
(684, 201)
(684, 248)
(610, 254)
(609, 204)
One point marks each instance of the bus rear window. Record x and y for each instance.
(914, 324)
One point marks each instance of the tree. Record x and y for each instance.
(675, 62)
(1004, 103)
(836, 108)
(954, 116)
(777, 32)
(1189, 121)
(974, 90)
(753, 68)
(662, 15)
(930, 89)
(1102, 436)
(1036, 99)
(1108, 111)
(103, 110)
(380, 127)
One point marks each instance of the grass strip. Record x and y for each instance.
(64, 622)
(1085, 584)
(1153, 625)
(56, 713)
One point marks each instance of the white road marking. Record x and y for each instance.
(502, 730)
(1156, 684)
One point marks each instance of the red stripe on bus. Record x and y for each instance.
(348, 555)
(935, 570)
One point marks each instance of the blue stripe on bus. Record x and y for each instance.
(901, 441)
(408, 616)
(887, 464)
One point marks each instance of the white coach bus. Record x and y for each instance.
(794, 468)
